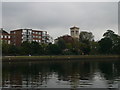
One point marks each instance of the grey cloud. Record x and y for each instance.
(57, 18)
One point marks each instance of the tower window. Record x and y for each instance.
(72, 33)
(76, 32)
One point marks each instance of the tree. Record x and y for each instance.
(5, 48)
(61, 44)
(105, 45)
(25, 48)
(13, 50)
(36, 49)
(108, 34)
(54, 49)
(115, 39)
(85, 48)
(69, 46)
(86, 37)
(94, 47)
(8, 49)
(116, 46)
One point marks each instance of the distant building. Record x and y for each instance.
(74, 32)
(21, 35)
(4, 36)
(66, 38)
(17, 37)
(74, 35)
(49, 39)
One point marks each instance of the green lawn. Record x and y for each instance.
(60, 57)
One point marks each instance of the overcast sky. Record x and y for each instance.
(58, 17)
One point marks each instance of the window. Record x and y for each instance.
(5, 37)
(72, 33)
(8, 36)
(33, 36)
(24, 30)
(76, 32)
(36, 36)
(44, 33)
(8, 41)
(1, 36)
(39, 33)
(39, 36)
(30, 31)
(39, 40)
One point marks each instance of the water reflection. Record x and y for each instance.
(62, 74)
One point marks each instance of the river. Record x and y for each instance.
(62, 74)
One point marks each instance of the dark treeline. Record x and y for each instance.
(109, 44)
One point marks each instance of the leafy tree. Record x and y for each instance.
(108, 34)
(115, 39)
(25, 48)
(109, 44)
(5, 48)
(13, 50)
(67, 52)
(8, 49)
(76, 47)
(54, 49)
(94, 48)
(36, 49)
(86, 37)
(44, 48)
(69, 46)
(84, 48)
(116, 46)
(61, 44)
(105, 45)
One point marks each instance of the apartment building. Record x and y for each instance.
(21, 35)
(49, 39)
(4, 36)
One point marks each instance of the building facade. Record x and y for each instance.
(49, 39)
(66, 38)
(74, 32)
(21, 35)
(4, 36)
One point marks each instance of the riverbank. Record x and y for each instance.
(59, 57)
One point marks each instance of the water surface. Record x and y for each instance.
(62, 74)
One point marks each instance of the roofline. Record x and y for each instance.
(74, 27)
(28, 29)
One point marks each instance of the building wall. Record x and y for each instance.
(16, 37)
(21, 35)
(44, 37)
(74, 31)
(37, 36)
(27, 35)
(66, 38)
(4, 36)
(49, 39)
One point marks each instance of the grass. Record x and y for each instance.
(59, 57)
